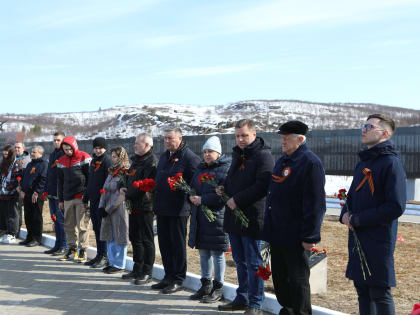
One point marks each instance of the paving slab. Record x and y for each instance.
(32, 282)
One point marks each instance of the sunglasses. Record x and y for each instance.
(369, 127)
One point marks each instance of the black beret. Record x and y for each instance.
(294, 126)
(100, 142)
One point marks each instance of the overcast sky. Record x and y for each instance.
(61, 56)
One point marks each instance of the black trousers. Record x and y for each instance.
(140, 231)
(33, 217)
(172, 233)
(290, 271)
(96, 224)
(9, 222)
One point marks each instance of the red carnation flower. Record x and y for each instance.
(102, 191)
(44, 196)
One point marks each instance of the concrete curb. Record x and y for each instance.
(192, 281)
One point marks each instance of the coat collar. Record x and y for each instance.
(383, 148)
(295, 155)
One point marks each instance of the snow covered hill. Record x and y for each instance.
(127, 121)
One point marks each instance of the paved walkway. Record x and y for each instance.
(32, 282)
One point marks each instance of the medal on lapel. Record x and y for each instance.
(285, 173)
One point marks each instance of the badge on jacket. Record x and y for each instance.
(285, 173)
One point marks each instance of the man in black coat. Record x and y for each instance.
(376, 199)
(172, 209)
(140, 229)
(57, 215)
(293, 217)
(247, 182)
(98, 172)
(31, 189)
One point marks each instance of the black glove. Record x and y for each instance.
(102, 212)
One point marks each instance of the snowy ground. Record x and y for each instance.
(334, 183)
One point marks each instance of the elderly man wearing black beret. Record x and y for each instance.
(294, 212)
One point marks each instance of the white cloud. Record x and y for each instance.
(207, 71)
(278, 14)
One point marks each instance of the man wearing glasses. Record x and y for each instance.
(375, 200)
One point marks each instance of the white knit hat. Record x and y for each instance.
(213, 143)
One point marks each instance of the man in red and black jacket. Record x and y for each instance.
(73, 172)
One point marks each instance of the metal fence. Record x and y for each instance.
(336, 148)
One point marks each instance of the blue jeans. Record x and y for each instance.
(247, 256)
(60, 236)
(215, 257)
(374, 300)
(116, 254)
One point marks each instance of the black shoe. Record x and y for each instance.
(203, 291)
(32, 244)
(92, 261)
(232, 307)
(160, 285)
(51, 250)
(25, 242)
(130, 275)
(172, 288)
(113, 269)
(216, 293)
(59, 252)
(101, 263)
(106, 268)
(143, 279)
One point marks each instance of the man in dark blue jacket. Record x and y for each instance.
(172, 209)
(247, 183)
(57, 215)
(293, 217)
(31, 189)
(376, 199)
(98, 172)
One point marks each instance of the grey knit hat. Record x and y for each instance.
(213, 143)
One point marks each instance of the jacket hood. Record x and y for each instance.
(257, 144)
(383, 148)
(71, 141)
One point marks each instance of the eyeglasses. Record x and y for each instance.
(369, 127)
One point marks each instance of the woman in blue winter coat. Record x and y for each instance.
(209, 237)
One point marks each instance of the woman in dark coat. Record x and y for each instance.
(9, 217)
(209, 237)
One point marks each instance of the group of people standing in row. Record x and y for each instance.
(284, 203)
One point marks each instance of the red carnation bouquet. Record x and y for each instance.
(264, 271)
(146, 184)
(177, 182)
(342, 195)
(211, 180)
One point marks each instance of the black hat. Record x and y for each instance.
(294, 126)
(100, 142)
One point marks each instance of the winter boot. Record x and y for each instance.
(203, 291)
(216, 293)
